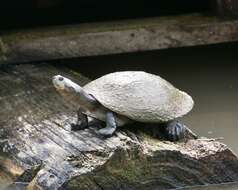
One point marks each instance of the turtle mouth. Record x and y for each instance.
(56, 84)
(58, 87)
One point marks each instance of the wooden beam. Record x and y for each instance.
(59, 42)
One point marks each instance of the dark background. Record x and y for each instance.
(29, 13)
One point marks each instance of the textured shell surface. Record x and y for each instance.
(140, 96)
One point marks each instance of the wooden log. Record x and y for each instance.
(225, 186)
(39, 151)
(115, 37)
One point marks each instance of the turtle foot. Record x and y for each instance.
(175, 131)
(110, 127)
(77, 127)
(107, 131)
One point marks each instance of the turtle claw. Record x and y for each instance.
(175, 131)
(82, 121)
(111, 126)
(107, 131)
(77, 127)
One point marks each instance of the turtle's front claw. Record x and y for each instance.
(175, 131)
(110, 125)
(77, 127)
(107, 131)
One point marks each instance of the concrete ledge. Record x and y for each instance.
(114, 37)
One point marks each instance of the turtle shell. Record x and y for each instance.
(140, 96)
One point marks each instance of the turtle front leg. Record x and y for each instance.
(175, 130)
(110, 125)
(82, 121)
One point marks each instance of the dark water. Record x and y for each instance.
(208, 73)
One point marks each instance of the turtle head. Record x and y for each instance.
(59, 82)
(62, 83)
(69, 89)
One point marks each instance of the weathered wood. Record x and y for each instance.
(225, 186)
(115, 37)
(39, 151)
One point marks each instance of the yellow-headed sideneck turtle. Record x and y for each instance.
(121, 97)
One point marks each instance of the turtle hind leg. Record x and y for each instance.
(175, 131)
(110, 125)
(82, 121)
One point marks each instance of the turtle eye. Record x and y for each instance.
(61, 78)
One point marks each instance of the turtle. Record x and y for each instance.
(123, 97)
